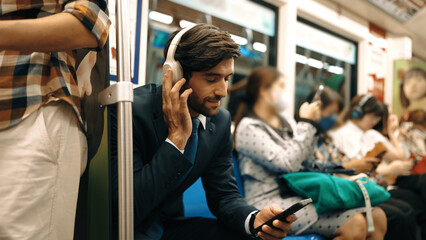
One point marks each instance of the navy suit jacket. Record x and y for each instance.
(159, 166)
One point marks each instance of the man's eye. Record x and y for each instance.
(211, 80)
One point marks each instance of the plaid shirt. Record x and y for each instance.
(30, 80)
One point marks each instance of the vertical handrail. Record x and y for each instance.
(124, 127)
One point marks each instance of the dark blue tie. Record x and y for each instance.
(192, 144)
(155, 231)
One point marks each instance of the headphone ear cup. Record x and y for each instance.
(171, 62)
(357, 112)
(166, 66)
(176, 70)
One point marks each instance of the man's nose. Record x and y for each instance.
(221, 89)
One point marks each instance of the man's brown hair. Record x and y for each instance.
(203, 47)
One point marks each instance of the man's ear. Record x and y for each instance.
(185, 86)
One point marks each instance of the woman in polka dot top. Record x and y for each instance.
(269, 144)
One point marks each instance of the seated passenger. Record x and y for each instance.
(412, 136)
(399, 214)
(363, 122)
(270, 144)
(180, 134)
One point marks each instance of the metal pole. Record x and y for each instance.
(124, 126)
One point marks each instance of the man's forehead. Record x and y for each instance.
(224, 68)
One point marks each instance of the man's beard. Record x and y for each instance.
(199, 105)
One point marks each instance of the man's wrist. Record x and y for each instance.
(178, 141)
(250, 224)
(171, 143)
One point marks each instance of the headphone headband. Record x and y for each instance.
(175, 42)
(170, 62)
(364, 99)
(357, 111)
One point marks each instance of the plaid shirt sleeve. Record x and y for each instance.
(92, 15)
(30, 80)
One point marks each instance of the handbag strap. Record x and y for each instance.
(357, 177)
(369, 214)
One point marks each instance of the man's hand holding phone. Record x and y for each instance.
(280, 228)
(175, 109)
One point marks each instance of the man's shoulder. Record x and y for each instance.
(147, 95)
(147, 90)
(222, 117)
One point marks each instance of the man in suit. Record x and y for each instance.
(164, 117)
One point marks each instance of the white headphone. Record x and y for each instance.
(171, 62)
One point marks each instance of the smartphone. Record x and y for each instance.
(381, 154)
(282, 216)
(318, 93)
(378, 151)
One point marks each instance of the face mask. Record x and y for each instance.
(281, 101)
(327, 123)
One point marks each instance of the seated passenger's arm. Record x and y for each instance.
(152, 182)
(276, 154)
(363, 165)
(395, 149)
(227, 204)
(223, 197)
(392, 153)
(397, 168)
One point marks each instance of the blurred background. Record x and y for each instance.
(349, 45)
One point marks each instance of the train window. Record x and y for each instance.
(323, 57)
